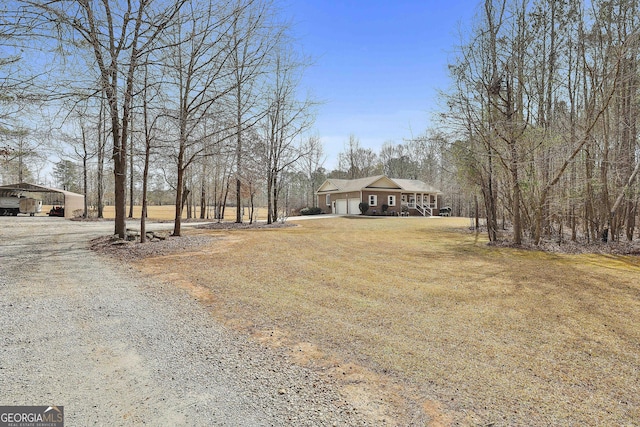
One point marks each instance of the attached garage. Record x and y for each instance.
(347, 206)
(354, 206)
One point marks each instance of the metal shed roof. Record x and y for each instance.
(72, 201)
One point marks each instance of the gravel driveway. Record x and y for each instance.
(114, 348)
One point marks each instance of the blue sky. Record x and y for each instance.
(378, 65)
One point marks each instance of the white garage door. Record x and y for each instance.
(354, 209)
(341, 206)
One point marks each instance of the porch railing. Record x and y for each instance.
(424, 208)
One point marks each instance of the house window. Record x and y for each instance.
(328, 199)
(373, 200)
(392, 201)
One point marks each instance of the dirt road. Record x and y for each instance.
(114, 348)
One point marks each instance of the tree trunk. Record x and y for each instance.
(490, 196)
(119, 180)
(275, 192)
(269, 198)
(251, 209)
(516, 195)
(477, 212)
(131, 177)
(177, 224)
(203, 198)
(101, 148)
(238, 145)
(85, 178)
(145, 180)
(618, 202)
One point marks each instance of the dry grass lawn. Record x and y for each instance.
(421, 322)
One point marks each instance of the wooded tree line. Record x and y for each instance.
(544, 113)
(204, 94)
(426, 157)
(538, 135)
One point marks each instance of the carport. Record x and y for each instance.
(72, 201)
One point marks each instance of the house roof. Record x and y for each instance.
(332, 185)
(416, 186)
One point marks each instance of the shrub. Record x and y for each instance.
(364, 207)
(384, 208)
(310, 211)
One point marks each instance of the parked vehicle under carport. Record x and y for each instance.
(57, 211)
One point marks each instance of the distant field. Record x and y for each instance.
(420, 313)
(167, 212)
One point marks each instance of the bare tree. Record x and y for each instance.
(114, 36)
(525, 125)
(254, 35)
(199, 76)
(150, 118)
(20, 150)
(408, 161)
(287, 118)
(310, 166)
(357, 161)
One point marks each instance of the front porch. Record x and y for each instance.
(423, 203)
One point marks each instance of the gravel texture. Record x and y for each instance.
(89, 333)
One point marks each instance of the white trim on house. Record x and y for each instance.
(414, 194)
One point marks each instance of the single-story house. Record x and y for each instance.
(400, 196)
